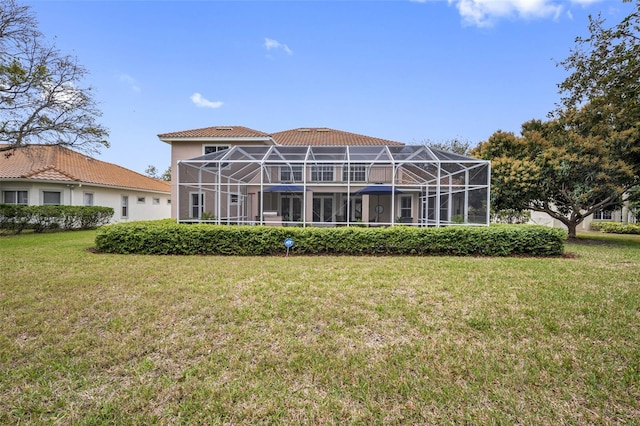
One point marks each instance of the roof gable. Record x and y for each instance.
(59, 164)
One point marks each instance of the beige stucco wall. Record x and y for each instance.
(184, 150)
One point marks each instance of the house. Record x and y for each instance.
(321, 177)
(54, 175)
(623, 215)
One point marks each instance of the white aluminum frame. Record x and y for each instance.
(437, 180)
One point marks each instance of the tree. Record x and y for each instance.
(455, 145)
(605, 73)
(41, 100)
(152, 171)
(567, 167)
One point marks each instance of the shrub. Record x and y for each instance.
(615, 228)
(510, 216)
(168, 237)
(16, 218)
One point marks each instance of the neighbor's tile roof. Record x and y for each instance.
(54, 163)
(216, 132)
(322, 136)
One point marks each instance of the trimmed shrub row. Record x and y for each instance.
(615, 228)
(170, 238)
(16, 217)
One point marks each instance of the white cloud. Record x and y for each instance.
(130, 81)
(199, 101)
(63, 96)
(483, 13)
(275, 44)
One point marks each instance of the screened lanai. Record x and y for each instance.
(334, 186)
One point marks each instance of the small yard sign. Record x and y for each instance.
(288, 243)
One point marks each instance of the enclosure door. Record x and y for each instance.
(290, 207)
(322, 208)
(196, 205)
(356, 209)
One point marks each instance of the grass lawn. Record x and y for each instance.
(114, 339)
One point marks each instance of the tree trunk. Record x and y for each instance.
(571, 227)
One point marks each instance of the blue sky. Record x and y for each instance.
(401, 70)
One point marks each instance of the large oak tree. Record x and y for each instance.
(567, 167)
(41, 97)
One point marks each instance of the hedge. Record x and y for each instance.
(615, 228)
(17, 217)
(170, 238)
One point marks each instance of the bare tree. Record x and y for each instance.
(41, 100)
(455, 145)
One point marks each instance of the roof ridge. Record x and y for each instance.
(217, 128)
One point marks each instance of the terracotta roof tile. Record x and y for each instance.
(54, 163)
(322, 136)
(215, 132)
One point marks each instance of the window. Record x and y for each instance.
(602, 215)
(233, 198)
(196, 204)
(354, 173)
(15, 197)
(88, 198)
(51, 198)
(125, 206)
(208, 149)
(168, 200)
(156, 201)
(141, 200)
(323, 173)
(405, 206)
(291, 173)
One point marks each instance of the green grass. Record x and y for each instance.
(122, 339)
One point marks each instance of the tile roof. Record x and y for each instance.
(216, 132)
(322, 136)
(305, 136)
(59, 164)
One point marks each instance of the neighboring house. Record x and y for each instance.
(321, 176)
(623, 215)
(53, 175)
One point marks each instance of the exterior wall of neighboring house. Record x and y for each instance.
(56, 175)
(142, 205)
(623, 216)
